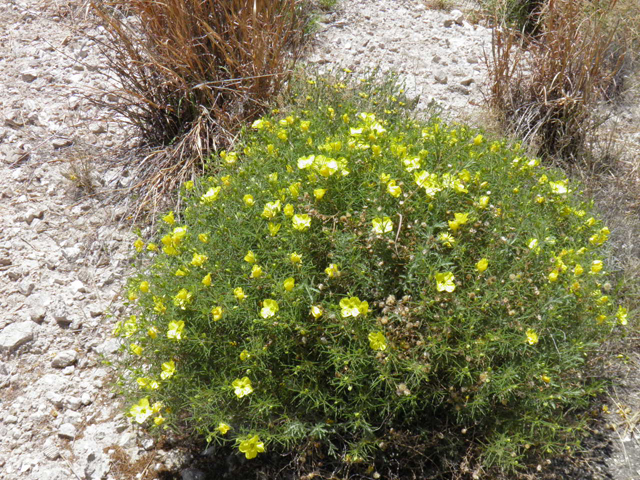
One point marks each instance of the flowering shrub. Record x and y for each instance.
(352, 273)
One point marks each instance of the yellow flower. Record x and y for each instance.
(596, 266)
(295, 258)
(553, 276)
(288, 210)
(251, 447)
(130, 326)
(289, 283)
(229, 157)
(294, 189)
(152, 332)
(271, 209)
(621, 315)
(600, 237)
(159, 420)
(139, 245)
(274, 228)
(319, 193)
(239, 293)
(169, 218)
(244, 355)
(482, 265)
(532, 337)
(136, 349)
(483, 202)
(332, 270)
(260, 124)
(152, 247)
(144, 287)
(316, 311)
(352, 307)
(250, 257)
(248, 200)
(206, 281)
(559, 188)
(147, 383)
(545, 378)
(158, 305)
(269, 308)
(382, 225)
(211, 195)
(141, 411)
(445, 282)
(168, 369)
(282, 135)
(304, 125)
(182, 298)
(223, 428)
(447, 239)
(198, 260)
(578, 270)
(301, 222)
(459, 219)
(533, 243)
(188, 185)
(203, 237)
(273, 177)
(377, 341)
(256, 271)
(393, 189)
(217, 313)
(181, 273)
(174, 332)
(242, 386)
(478, 140)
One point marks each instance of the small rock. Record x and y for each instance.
(472, 59)
(447, 22)
(97, 128)
(17, 334)
(147, 443)
(29, 75)
(74, 403)
(192, 474)
(457, 16)
(440, 77)
(37, 305)
(11, 419)
(64, 359)
(67, 430)
(78, 286)
(467, 81)
(58, 143)
(459, 89)
(56, 399)
(51, 452)
(26, 287)
(86, 399)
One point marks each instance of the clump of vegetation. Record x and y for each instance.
(354, 278)
(547, 86)
(191, 72)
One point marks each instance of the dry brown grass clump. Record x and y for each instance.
(547, 86)
(192, 72)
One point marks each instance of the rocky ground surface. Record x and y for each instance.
(64, 247)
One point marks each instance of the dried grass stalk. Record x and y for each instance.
(192, 72)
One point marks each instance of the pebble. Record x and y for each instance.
(17, 334)
(67, 430)
(64, 359)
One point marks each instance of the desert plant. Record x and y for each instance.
(547, 87)
(353, 278)
(192, 71)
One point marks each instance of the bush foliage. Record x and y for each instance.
(352, 273)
